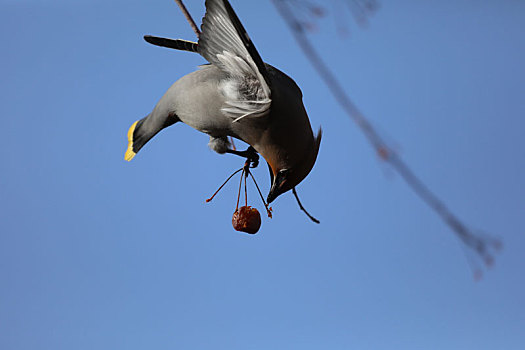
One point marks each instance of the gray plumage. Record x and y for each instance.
(236, 95)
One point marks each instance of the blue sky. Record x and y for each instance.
(99, 253)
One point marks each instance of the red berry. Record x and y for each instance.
(246, 219)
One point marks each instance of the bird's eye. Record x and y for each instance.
(283, 171)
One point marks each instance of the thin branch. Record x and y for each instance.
(224, 183)
(188, 18)
(268, 208)
(303, 209)
(482, 245)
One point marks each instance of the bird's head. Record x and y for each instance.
(288, 170)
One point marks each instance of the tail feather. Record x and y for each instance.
(137, 137)
(130, 153)
(144, 129)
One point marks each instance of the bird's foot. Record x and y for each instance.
(251, 155)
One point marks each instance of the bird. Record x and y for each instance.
(236, 95)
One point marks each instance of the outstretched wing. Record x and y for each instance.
(225, 43)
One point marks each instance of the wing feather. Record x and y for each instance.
(225, 43)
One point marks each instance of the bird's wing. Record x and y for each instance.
(225, 43)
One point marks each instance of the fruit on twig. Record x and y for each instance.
(246, 219)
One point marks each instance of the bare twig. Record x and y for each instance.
(224, 183)
(483, 246)
(240, 184)
(303, 209)
(188, 17)
(268, 208)
(232, 144)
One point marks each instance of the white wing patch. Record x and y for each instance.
(246, 92)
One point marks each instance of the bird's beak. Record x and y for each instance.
(271, 195)
(274, 192)
(276, 189)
